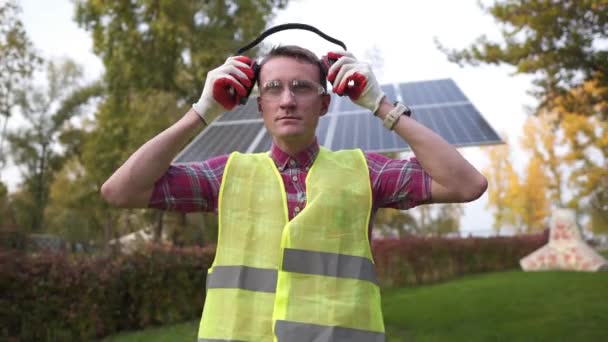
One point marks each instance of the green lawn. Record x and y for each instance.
(179, 332)
(510, 306)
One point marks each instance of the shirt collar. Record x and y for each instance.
(303, 158)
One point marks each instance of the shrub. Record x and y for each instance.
(422, 260)
(60, 297)
(57, 297)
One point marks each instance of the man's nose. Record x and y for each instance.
(288, 98)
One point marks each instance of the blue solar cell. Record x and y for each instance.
(389, 91)
(431, 92)
(221, 139)
(322, 129)
(264, 144)
(247, 112)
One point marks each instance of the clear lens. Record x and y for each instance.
(300, 89)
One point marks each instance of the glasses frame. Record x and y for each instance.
(265, 95)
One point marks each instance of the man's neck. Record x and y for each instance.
(295, 146)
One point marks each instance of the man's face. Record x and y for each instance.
(290, 110)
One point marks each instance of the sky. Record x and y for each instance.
(401, 32)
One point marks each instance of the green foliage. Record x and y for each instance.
(17, 63)
(56, 297)
(561, 42)
(71, 212)
(417, 261)
(6, 217)
(437, 220)
(156, 56)
(169, 45)
(33, 145)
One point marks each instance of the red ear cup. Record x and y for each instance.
(328, 61)
(254, 77)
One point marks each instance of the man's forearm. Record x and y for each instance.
(132, 183)
(441, 160)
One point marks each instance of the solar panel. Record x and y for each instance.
(438, 104)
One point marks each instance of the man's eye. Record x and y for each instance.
(273, 86)
(302, 86)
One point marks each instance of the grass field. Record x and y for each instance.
(510, 306)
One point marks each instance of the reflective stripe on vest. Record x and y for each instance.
(302, 332)
(329, 264)
(265, 280)
(242, 277)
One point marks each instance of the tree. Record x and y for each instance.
(521, 202)
(34, 146)
(540, 139)
(393, 222)
(17, 63)
(561, 42)
(503, 186)
(69, 213)
(532, 202)
(586, 138)
(6, 216)
(437, 220)
(156, 56)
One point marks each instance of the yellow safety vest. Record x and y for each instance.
(308, 279)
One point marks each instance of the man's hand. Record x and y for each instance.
(354, 79)
(224, 88)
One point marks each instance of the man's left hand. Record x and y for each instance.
(354, 79)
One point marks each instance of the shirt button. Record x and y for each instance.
(294, 178)
(307, 168)
(296, 209)
(292, 162)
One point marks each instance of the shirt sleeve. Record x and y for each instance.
(190, 187)
(398, 184)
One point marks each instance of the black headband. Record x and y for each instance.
(289, 26)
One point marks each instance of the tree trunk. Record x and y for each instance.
(158, 229)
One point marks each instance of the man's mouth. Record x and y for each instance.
(288, 118)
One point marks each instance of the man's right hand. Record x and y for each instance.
(224, 87)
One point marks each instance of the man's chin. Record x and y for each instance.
(289, 132)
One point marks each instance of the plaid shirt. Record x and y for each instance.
(192, 187)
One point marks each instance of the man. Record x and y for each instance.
(293, 260)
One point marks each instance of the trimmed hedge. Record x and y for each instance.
(418, 260)
(58, 297)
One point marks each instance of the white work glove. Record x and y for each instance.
(363, 89)
(225, 86)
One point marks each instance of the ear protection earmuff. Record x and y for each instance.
(324, 62)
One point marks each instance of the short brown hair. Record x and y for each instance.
(298, 53)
